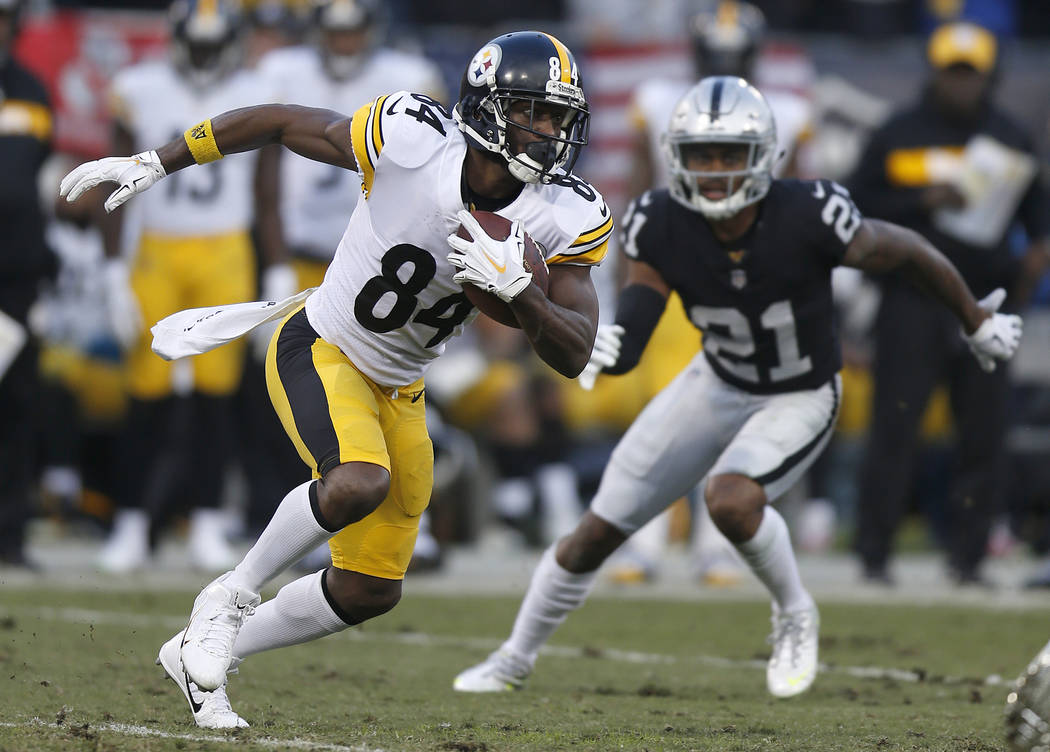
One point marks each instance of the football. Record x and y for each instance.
(498, 227)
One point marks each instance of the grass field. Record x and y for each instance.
(78, 674)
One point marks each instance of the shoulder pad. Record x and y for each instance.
(403, 127)
(583, 218)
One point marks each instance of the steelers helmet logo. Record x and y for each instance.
(484, 64)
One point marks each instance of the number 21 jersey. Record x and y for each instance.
(764, 300)
(388, 300)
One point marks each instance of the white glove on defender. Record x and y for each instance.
(496, 266)
(998, 336)
(122, 307)
(135, 174)
(605, 353)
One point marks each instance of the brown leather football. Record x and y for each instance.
(498, 227)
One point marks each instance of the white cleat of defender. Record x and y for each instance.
(792, 666)
(207, 643)
(210, 709)
(1028, 707)
(500, 672)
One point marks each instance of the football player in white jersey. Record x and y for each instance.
(726, 40)
(185, 246)
(345, 372)
(752, 258)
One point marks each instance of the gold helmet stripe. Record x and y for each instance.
(563, 58)
(727, 14)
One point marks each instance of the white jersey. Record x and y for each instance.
(388, 299)
(157, 105)
(316, 198)
(653, 101)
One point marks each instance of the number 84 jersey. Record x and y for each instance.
(388, 300)
(763, 302)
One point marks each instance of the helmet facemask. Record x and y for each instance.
(530, 160)
(733, 121)
(744, 186)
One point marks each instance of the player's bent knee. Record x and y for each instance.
(358, 597)
(352, 491)
(588, 545)
(735, 503)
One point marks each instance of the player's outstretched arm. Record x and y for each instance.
(317, 134)
(880, 247)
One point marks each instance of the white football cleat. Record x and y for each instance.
(127, 547)
(793, 665)
(207, 643)
(500, 672)
(208, 548)
(1028, 707)
(210, 709)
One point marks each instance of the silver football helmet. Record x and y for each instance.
(725, 110)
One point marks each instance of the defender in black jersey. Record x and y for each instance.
(751, 259)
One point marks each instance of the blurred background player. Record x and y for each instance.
(932, 167)
(726, 40)
(182, 247)
(25, 142)
(342, 66)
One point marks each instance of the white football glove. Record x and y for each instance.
(135, 174)
(496, 266)
(605, 354)
(998, 336)
(122, 307)
(279, 281)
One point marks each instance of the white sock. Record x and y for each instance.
(292, 533)
(297, 614)
(553, 593)
(770, 557)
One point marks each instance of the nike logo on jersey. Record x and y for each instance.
(390, 109)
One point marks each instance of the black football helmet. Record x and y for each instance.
(206, 36)
(348, 32)
(726, 38)
(529, 66)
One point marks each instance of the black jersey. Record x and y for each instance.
(764, 301)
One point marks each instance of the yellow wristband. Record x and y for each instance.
(201, 141)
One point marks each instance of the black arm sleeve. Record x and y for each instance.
(638, 310)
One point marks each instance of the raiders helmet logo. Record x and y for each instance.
(483, 67)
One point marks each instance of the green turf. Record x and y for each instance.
(387, 686)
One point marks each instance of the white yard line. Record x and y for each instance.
(121, 618)
(126, 729)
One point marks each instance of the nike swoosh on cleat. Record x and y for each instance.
(189, 693)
